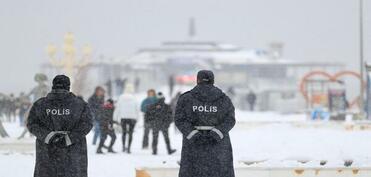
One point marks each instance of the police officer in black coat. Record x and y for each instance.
(60, 121)
(205, 115)
(159, 117)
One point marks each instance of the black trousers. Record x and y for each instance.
(127, 126)
(147, 130)
(103, 137)
(165, 133)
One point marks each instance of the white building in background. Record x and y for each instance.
(274, 79)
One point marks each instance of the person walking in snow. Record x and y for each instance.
(60, 121)
(127, 113)
(205, 115)
(106, 127)
(251, 99)
(159, 117)
(96, 102)
(171, 83)
(151, 99)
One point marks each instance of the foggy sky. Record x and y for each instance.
(311, 29)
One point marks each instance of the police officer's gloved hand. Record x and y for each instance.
(59, 140)
(206, 138)
(216, 134)
(194, 136)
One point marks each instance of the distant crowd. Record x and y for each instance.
(12, 107)
(126, 112)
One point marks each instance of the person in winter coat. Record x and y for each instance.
(205, 115)
(159, 117)
(127, 113)
(60, 121)
(96, 102)
(106, 127)
(151, 99)
(251, 99)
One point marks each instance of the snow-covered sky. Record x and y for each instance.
(310, 29)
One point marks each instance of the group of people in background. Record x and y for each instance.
(11, 108)
(125, 112)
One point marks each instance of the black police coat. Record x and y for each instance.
(205, 152)
(60, 111)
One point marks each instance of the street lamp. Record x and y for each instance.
(361, 57)
(69, 62)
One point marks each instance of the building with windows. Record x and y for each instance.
(239, 70)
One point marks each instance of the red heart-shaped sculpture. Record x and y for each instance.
(332, 78)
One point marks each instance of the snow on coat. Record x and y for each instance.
(106, 121)
(96, 105)
(60, 110)
(205, 115)
(147, 102)
(126, 107)
(159, 115)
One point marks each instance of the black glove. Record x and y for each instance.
(206, 139)
(59, 140)
(214, 136)
(194, 137)
(203, 138)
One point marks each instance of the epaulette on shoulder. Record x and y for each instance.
(38, 101)
(82, 100)
(185, 93)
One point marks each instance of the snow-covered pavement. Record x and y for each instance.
(277, 143)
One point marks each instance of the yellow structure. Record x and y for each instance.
(69, 62)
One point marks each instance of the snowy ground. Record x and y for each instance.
(278, 141)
